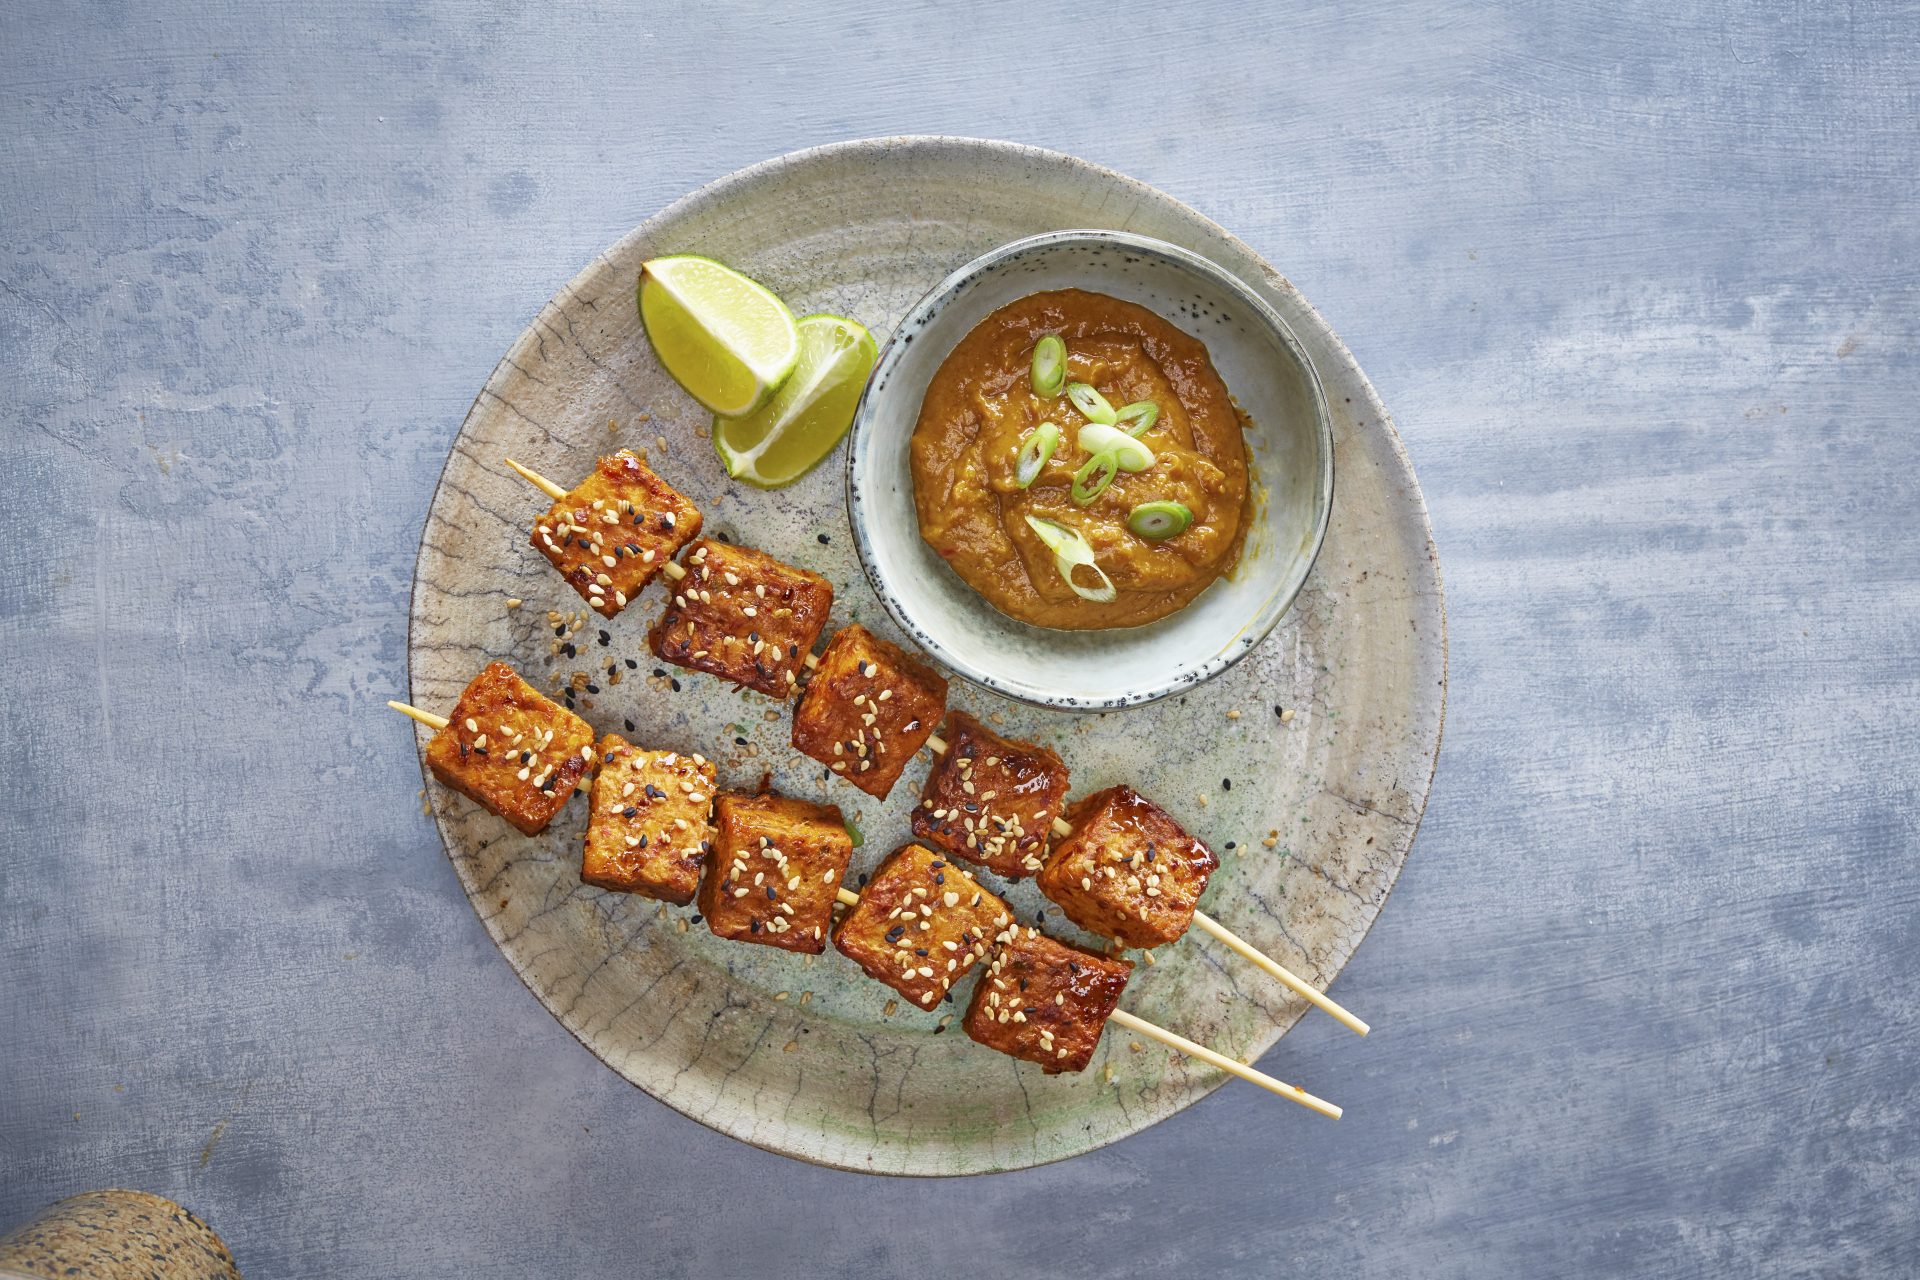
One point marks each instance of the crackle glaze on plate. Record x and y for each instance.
(806, 1056)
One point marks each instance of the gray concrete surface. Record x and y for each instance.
(1639, 282)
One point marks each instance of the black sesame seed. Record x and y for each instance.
(1226, 784)
(675, 684)
(605, 638)
(629, 725)
(696, 917)
(593, 688)
(569, 650)
(659, 671)
(769, 893)
(632, 665)
(822, 539)
(753, 926)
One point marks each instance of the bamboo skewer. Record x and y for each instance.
(1233, 941)
(426, 718)
(1150, 1030)
(537, 480)
(1286, 977)
(1193, 1049)
(1140, 1026)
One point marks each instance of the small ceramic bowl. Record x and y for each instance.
(1289, 443)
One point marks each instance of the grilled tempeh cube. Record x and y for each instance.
(921, 924)
(1128, 871)
(512, 750)
(776, 866)
(649, 824)
(990, 799)
(1045, 1001)
(868, 708)
(615, 530)
(743, 616)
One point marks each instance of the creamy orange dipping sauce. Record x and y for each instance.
(981, 406)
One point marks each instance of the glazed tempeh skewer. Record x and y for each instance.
(773, 869)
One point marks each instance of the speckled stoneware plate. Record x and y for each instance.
(807, 1056)
(1289, 440)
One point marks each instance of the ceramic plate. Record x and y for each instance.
(807, 1056)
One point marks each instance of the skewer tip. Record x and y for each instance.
(426, 718)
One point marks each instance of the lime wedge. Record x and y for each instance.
(726, 339)
(786, 438)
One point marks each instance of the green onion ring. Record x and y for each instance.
(1158, 521)
(1137, 418)
(1097, 438)
(1091, 404)
(1093, 477)
(1035, 452)
(1072, 551)
(1049, 365)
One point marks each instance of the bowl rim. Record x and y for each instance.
(1233, 648)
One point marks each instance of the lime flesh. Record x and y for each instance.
(789, 435)
(726, 339)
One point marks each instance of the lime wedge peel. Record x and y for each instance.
(809, 413)
(726, 339)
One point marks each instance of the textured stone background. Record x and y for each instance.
(1640, 284)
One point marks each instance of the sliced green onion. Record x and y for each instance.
(1090, 403)
(1097, 439)
(1035, 451)
(1137, 418)
(1071, 551)
(853, 832)
(1049, 365)
(1158, 521)
(1093, 477)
